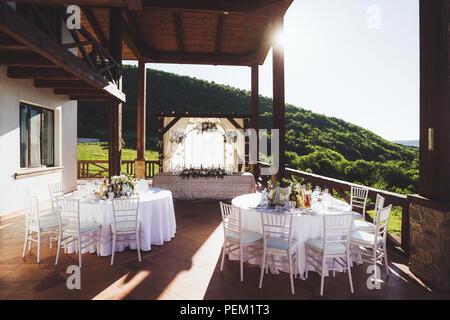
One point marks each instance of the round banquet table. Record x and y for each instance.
(305, 226)
(156, 216)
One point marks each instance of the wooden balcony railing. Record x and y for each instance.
(343, 189)
(96, 169)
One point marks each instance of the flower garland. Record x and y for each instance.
(203, 173)
(177, 137)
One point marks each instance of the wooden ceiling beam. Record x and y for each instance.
(200, 58)
(178, 31)
(39, 73)
(133, 4)
(77, 91)
(40, 83)
(219, 32)
(89, 97)
(217, 5)
(23, 59)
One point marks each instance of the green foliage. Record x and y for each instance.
(314, 142)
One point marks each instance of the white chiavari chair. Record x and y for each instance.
(277, 239)
(126, 222)
(236, 238)
(335, 245)
(72, 230)
(37, 226)
(56, 190)
(367, 226)
(372, 246)
(358, 200)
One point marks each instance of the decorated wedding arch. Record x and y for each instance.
(192, 140)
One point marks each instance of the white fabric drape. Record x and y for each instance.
(205, 149)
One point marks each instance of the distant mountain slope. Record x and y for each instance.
(409, 143)
(308, 135)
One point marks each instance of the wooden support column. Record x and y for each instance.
(246, 146)
(278, 95)
(141, 120)
(434, 179)
(115, 107)
(255, 111)
(161, 144)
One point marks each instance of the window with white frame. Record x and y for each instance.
(37, 141)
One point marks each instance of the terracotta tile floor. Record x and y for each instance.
(185, 268)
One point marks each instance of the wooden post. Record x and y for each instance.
(141, 120)
(434, 168)
(161, 144)
(255, 111)
(115, 107)
(246, 146)
(115, 137)
(278, 95)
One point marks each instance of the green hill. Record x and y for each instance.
(315, 142)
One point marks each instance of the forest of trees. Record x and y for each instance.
(314, 142)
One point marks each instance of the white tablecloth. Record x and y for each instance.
(201, 188)
(304, 226)
(156, 217)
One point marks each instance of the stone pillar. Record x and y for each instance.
(430, 241)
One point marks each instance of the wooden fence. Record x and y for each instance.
(95, 169)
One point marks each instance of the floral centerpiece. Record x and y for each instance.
(280, 194)
(203, 173)
(122, 185)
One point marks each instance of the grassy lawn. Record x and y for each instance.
(99, 151)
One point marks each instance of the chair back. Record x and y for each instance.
(125, 210)
(143, 186)
(56, 190)
(277, 226)
(382, 222)
(337, 229)
(31, 210)
(231, 219)
(359, 198)
(69, 214)
(379, 203)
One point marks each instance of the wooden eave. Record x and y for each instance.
(29, 53)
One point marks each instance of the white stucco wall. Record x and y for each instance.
(11, 189)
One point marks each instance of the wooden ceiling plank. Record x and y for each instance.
(40, 83)
(95, 26)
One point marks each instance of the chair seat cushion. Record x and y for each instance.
(364, 226)
(247, 236)
(124, 226)
(330, 248)
(357, 216)
(364, 238)
(84, 227)
(280, 245)
(46, 223)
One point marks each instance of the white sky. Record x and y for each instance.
(338, 66)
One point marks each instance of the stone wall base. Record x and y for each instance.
(430, 245)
